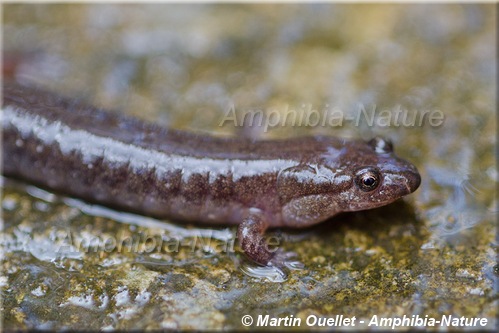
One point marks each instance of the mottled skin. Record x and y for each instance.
(104, 157)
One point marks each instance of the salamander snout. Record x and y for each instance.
(400, 178)
(413, 180)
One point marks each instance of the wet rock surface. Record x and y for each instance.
(68, 264)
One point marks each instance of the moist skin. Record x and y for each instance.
(73, 148)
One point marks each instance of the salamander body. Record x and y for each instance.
(103, 157)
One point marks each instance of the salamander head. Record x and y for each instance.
(379, 177)
(356, 176)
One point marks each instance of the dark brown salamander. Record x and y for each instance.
(123, 162)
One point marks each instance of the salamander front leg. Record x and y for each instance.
(250, 234)
(251, 240)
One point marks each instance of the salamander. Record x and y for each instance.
(101, 156)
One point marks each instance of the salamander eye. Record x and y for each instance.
(367, 179)
(381, 145)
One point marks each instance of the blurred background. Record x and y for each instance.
(184, 66)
